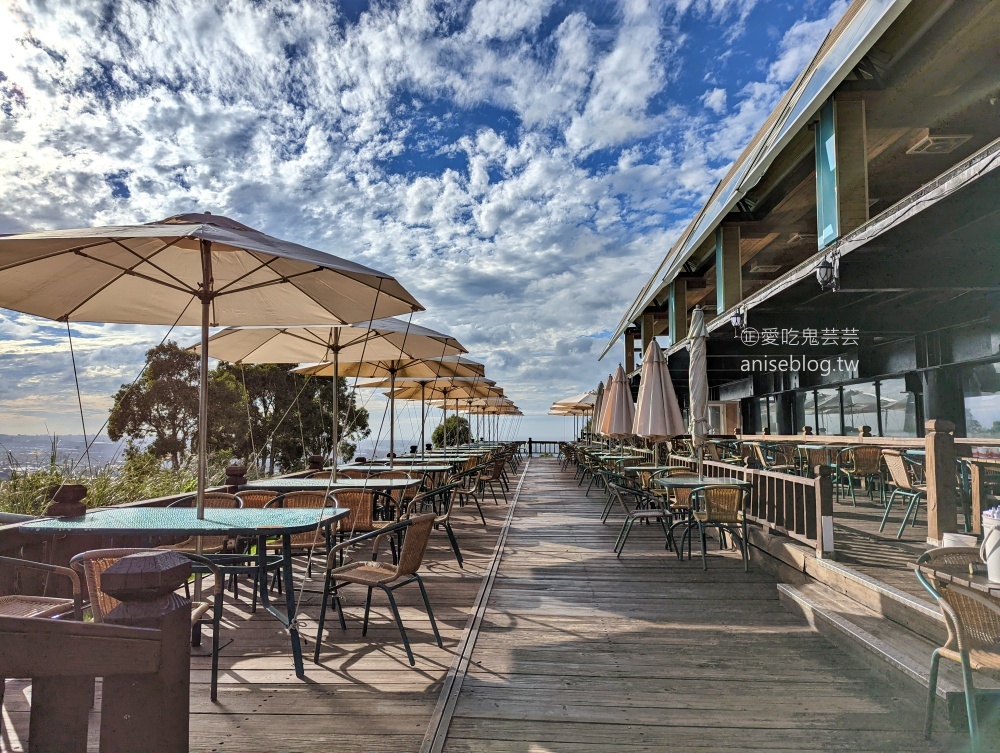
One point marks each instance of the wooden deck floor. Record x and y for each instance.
(580, 652)
(364, 696)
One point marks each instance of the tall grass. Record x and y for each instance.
(141, 476)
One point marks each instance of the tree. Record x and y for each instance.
(287, 416)
(163, 404)
(458, 431)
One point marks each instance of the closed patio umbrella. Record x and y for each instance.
(657, 416)
(620, 414)
(602, 419)
(698, 384)
(191, 269)
(369, 342)
(595, 418)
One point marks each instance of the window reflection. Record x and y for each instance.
(828, 407)
(982, 401)
(898, 408)
(860, 408)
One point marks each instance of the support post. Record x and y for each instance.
(531, 450)
(942, 511)
(678, 312)
(149, 713)
(629, 351)
(728, 268)
(823, 481)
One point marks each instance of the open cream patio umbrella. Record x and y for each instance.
(381, 340)
(698, 384)
(657, 415)
(397, 368)
(191, 269)
(620, 414)
(470, 391)
(424, 385)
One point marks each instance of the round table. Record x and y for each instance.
(693, 482)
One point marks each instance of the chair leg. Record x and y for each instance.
(368, 609)
(850, 485)
(430, 613)
(910, 509)
(704, 557)
(623, 536)
(322, 616)
(454, 543)
(970, 702)
(888, 507)
(931, 695)
(399, 624)
(216, 622)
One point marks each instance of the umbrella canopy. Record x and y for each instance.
(584, 400)
(444, 392)
(189, 269)
(620, 413)
(698, 381)
(657, 416)
(379, 340)
(373, 340)
(595, 419)
(424, 368)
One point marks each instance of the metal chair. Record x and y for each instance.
(973, 622)
(24, 605)
(902, 479)
(864, 464)
(719, 507)
(374, 574)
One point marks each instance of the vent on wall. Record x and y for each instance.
(764, 268)
(938, 144)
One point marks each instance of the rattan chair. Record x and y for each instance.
(255, 499)
(903, 480)
(647, 510)
(374, 574)
(93, 564)
(973, 622)
(25, 605)
(441, 500)
(719, 507)
(780, 463)
(469, 489)
(864, 463)
(495, 477)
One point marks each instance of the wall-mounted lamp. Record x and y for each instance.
(828, 273)
(739, 320)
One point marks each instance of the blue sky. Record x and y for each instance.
(519, 166)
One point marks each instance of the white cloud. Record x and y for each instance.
(518, 170)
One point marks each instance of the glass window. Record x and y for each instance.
(898, 408)
(716, 419)
(760, 407)
(860, 408)
(772, 414)
(805, 413)
(982, 401)
(828, 405)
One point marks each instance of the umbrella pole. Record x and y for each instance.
(392, 418)
(423, 419)
(206, 308)
(335, 446)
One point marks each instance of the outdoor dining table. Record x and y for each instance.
(959, 575)
(183, 522)
(406, 467)
(695, 482)
(324, 484)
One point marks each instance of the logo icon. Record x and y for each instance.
(750, 336)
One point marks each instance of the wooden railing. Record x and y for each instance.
(541, 446)
(142, 653)
(796, 506)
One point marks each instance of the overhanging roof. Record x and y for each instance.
(853, 36)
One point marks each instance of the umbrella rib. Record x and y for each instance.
(125, 271)
(147, 260)
(262, 265)
(44, 257)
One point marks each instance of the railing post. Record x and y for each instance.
(942, 511)
(823, 481)
(150, 713)
(531, 449)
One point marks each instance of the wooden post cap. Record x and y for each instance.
(146, 576)
(66, 500)
(316, 462)
(236, 475)
(823, 470)
(939, 424)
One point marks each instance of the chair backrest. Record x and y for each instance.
(301, 499)
(255, 498)
(213, 500)
(418, 533)
(898, 471)
(762, 460)
(93, 564)
(721, 504)
(351, 473)
(361, 507)
(867, 460)
(393, 474)
(817, 457)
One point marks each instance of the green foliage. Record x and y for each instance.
(458, 432)
(141, 476)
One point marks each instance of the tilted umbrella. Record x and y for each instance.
(698, 384)
(396, 368)
(620, 409)
(657, 415)
(152, 274)
(583, 400)
(372, 341)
